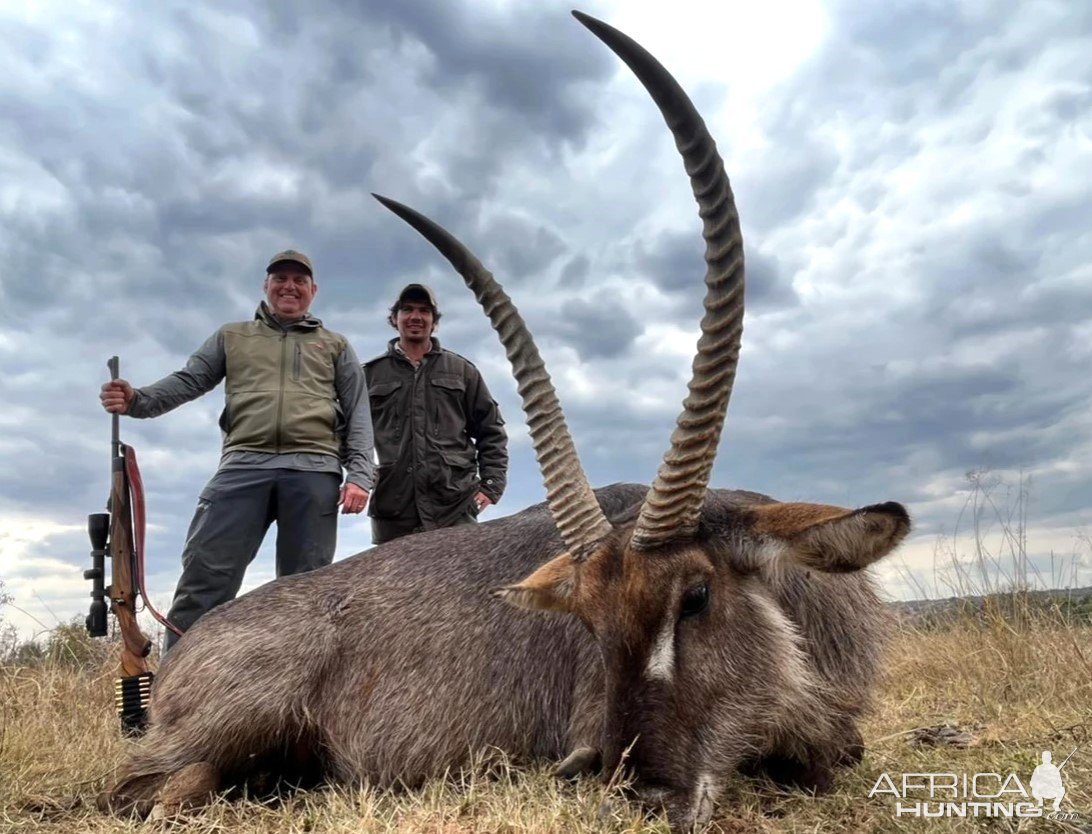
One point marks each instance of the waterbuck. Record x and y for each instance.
(696, 631)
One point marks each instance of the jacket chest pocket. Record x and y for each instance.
(311, 364)
(448, 412)
(385, 399)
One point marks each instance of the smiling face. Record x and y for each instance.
(289, 290)
(414, 321)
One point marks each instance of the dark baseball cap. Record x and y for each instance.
(291, 256)
(417, 292)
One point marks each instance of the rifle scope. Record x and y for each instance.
(98, 528)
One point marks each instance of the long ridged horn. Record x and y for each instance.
(569, 496)
(672, 508)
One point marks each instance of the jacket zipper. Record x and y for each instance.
(280, 391)
(296, 362)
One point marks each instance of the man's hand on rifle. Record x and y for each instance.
(117, 396)
(353, 498)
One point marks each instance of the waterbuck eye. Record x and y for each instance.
(695, 599)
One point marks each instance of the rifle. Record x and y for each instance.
(1070, 756)
(112, 532)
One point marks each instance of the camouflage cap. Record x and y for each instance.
(294, 257)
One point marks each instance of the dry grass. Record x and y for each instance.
(1018, 692)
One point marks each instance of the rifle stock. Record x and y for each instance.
(135, 645)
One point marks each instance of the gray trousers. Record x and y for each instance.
(233, 514)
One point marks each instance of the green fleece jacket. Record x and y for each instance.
(290, 388)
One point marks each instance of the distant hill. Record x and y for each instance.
(1072, 603)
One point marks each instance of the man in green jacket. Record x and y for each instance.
(296, 412)
(443, 451)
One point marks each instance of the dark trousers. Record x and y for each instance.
(233, 514)
(388, 529)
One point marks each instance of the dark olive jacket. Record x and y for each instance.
(439, 436)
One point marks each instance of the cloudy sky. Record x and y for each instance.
(914, 178)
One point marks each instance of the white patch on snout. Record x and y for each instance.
(661, 660)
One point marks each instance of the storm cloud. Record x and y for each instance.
(914, 193)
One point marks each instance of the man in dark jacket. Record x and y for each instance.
(443, 451)
(295, 413)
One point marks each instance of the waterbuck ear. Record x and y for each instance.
(834, 539)
(549, 588)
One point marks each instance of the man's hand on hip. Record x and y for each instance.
(353, 499)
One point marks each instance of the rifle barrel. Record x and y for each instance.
(1070, 756)
(115, 434)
